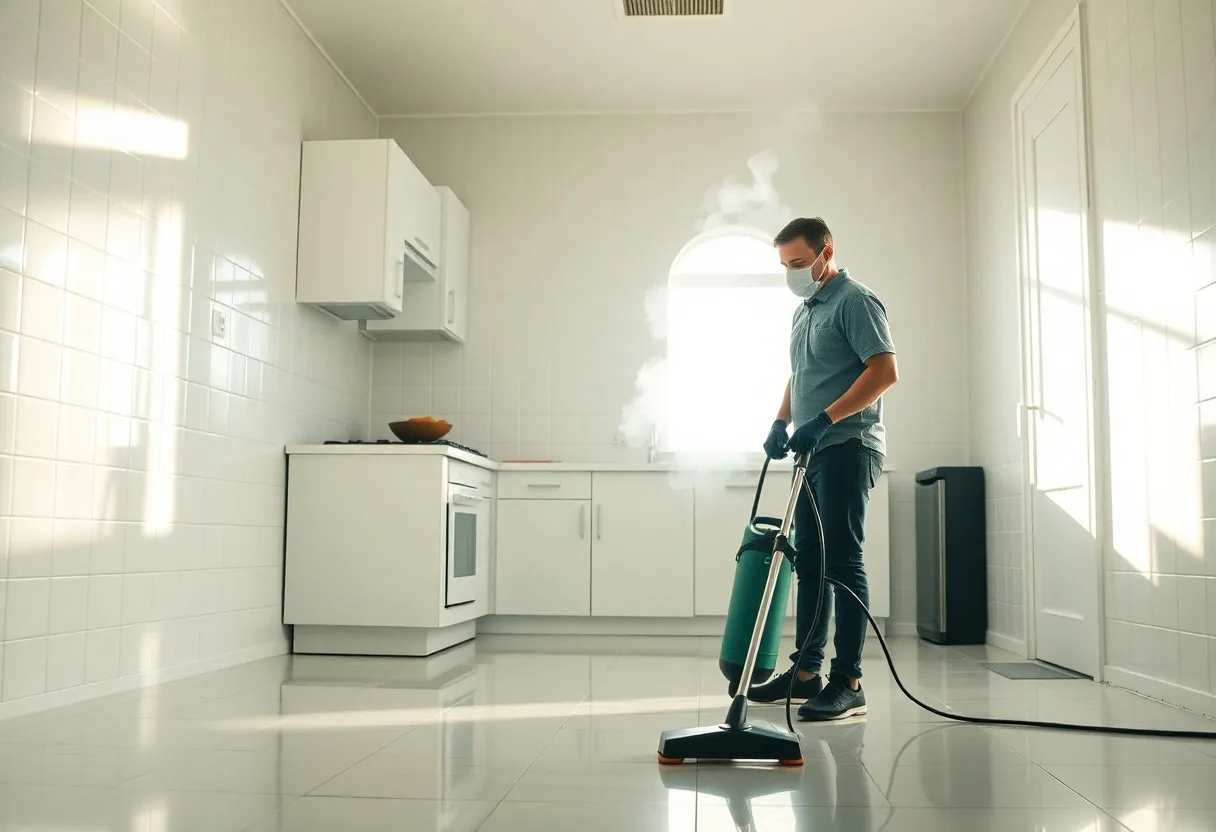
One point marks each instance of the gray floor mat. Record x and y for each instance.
(1030, 670)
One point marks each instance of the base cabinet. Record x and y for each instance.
(722, 508)
(627, 551)
(723, 504)
(543, 557)
(643, 544)
(642, 555)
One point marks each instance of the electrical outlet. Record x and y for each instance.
(219, 323)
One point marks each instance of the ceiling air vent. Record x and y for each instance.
(672, 8)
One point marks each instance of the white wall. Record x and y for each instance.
(1152, 92)
(992, 314)
(1153, 97)
(575, 220)
(141, 465)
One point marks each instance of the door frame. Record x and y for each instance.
(1071, 34)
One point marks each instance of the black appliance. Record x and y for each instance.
(438, 442)
(951, 556)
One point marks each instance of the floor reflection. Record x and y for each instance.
(519, 734)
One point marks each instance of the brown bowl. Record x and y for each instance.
(420, 430)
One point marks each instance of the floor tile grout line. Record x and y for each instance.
(536, 756)
(1095, 806)
(311, 792)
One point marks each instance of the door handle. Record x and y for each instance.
(400, 279)
(544, 485)
(422, 245)
(582, 522)
(599, 521)
(1044, 413)
(451, 306)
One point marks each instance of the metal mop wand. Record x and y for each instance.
(735, 739)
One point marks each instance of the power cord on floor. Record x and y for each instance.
(974, 720)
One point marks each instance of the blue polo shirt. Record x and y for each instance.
(834, 334)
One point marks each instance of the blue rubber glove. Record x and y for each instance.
(774, 446)
(809, 434)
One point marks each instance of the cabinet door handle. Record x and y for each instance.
(544, 485)
(582, 522)
(599, 521)
(422, 245)
(400, 279)
(451, 306)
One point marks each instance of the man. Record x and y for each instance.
(842, 361)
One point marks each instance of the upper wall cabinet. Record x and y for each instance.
(370, 224)
(437, 308)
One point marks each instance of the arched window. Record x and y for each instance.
(728, 335)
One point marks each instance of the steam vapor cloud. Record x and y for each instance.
(752, 204)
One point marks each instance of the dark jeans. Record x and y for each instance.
(841, 477)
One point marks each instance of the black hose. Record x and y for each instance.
(974, 720)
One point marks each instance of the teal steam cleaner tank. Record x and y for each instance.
(752, 564)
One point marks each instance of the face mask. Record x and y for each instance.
(802, 282)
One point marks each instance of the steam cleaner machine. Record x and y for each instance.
(750, 643)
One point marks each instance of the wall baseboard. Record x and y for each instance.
(701, 626)
(535, 625)
(83, 693)
(1013, 645)
(1167, 692)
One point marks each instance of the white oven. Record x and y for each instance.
(468, 538)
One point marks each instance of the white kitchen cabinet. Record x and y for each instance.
(722, 508)
(724, 502)
(543, 557)
(369, 224)
(373, 537)
(545, 485)
(642, 547)
(436, 308)
(421, 212)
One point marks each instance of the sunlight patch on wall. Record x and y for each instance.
(101, 126)
(1151, 275)
(160, 494)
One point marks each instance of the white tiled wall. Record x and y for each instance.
(1152, 92)
(576, 222)
(1153, 97)
(993, 342)
(149, 157)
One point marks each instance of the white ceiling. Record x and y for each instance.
(438, 57)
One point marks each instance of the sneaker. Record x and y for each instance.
(836, 701)
(778, 687)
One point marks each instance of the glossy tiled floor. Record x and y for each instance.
(515, 735)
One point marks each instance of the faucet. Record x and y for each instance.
(652, 453)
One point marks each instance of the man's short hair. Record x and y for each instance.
(812, 229)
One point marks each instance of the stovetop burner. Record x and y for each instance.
(443, 442)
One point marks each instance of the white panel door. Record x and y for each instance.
(642, 552)
(1058, 373)
(543, 557)
(723, 506)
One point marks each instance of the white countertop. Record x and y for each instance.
(391, 449)
(641, 466)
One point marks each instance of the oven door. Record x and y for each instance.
(468, 513)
